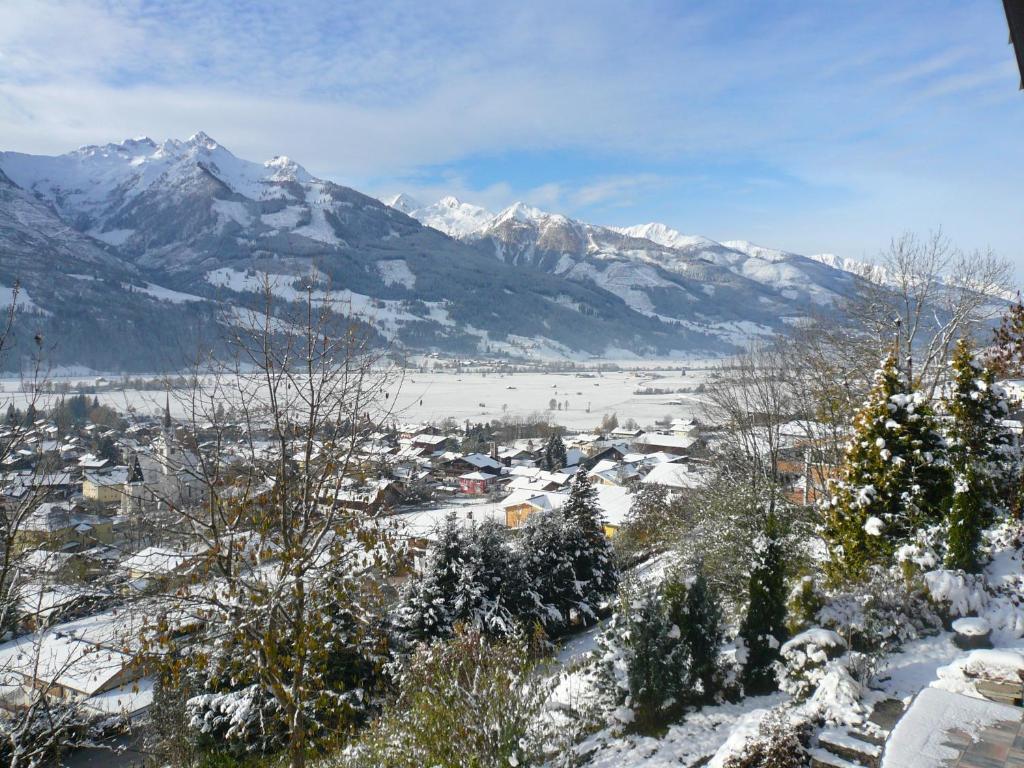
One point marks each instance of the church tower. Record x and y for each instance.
(167, 451)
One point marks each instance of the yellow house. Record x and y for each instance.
(105, 488)
(521, 504)
(55, 526)
(613, 501)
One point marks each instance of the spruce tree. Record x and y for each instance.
(554, 453)
(763, 628)
(894, 481)
(491, 595)
(703, 634)
(646, 521)
(981, 455)
(426, 608)
(658, 661)
(588, 550)
(547, 571)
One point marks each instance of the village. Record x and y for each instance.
(93, 544)
(99, 547)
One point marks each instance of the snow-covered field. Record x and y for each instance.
(434, 396)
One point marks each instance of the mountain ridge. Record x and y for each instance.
(188, 224)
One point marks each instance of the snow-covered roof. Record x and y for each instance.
(116, 476)
(674, 476)
(615, 502)
(154, 561)
(679, 442)
(476, 476)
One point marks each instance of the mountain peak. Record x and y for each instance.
(286, 169)
(202, 139)
(663, 234)
(520, 211)
(449, 201)
(403, 202)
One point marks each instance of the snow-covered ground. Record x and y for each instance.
(435, 396)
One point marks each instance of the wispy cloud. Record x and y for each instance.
(745, 115)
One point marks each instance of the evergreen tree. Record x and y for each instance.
(981, 453)
(426, 610)
(588, 550)
(894, 482)
(555, 456)
(763, 628)
(492, 595)
(1007, 359)
(703, 634)
(547, 571)
(469, 578)
(646, 521)
(658, 659)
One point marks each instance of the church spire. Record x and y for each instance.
(167, 411)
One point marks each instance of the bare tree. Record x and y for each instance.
(750, 400)
(924, 296)
(288, 580)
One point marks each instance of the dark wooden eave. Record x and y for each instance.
(1015, 19)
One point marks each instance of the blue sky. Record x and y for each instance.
(813, 126)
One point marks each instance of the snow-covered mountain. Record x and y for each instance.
(448, 215)
(655, 269)
(664, 235)
(138, 230)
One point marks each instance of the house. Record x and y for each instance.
(471, 462)
(477, 482)
(154, 563)
(613, 473)
(76, 661)
(516, 457)
(383, 494)
(519, 505)
(609, 453)
(684, 427)
(429, 441)
(613, 501)
(105, 487)
(90, 462)
(59, 526)
(679, 445)
(674, 476)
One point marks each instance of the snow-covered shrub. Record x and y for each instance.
(764, 626)
(779, 742)
(881, 614)
(958, 593)
(839, 692)
(983, 456)
(805, 600)
(644, 664)
(995, 594)
(238, 722)
(804, 658)
(39, 735)
(463, 701)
